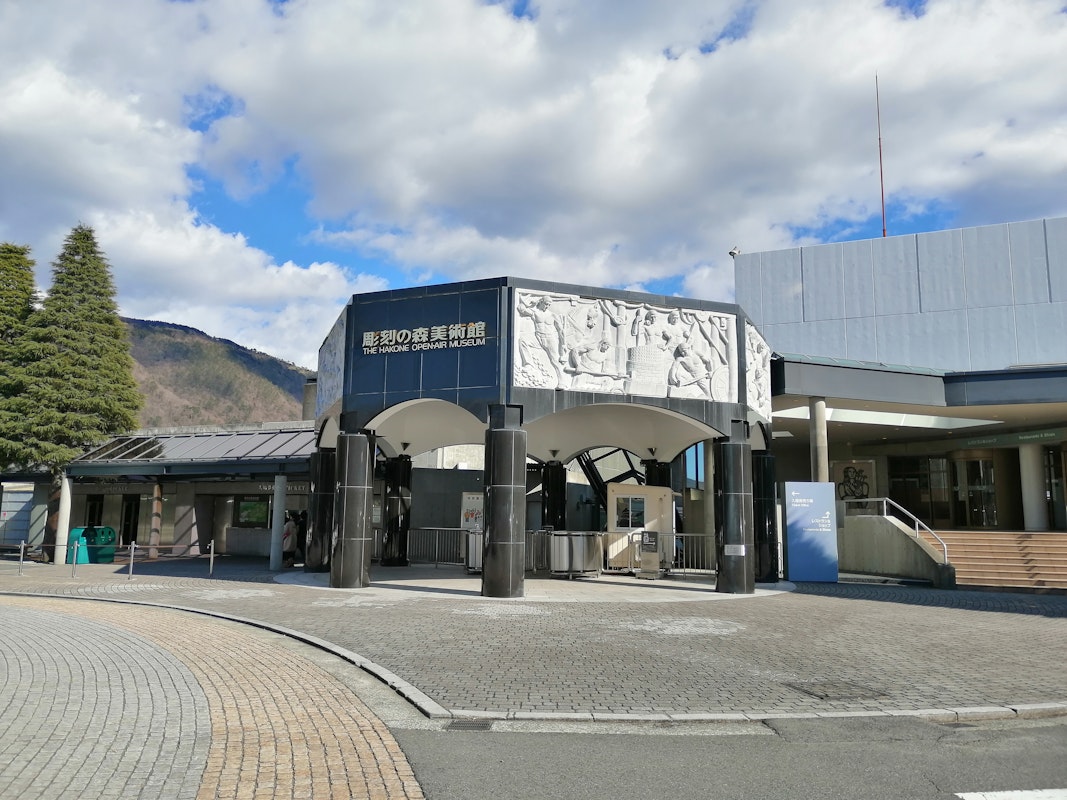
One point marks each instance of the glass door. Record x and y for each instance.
(1057, 504)
(975, 497)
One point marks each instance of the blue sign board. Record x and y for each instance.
(811, 532)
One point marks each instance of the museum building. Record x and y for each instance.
(927, 368)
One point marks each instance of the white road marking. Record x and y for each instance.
(1034, 794)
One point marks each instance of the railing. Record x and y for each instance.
(77, 548)
(917, 524)
(437, 545)
(694, 553)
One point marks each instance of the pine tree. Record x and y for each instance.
(75, 366)
(17, 298)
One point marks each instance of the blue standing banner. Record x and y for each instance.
(811, 532)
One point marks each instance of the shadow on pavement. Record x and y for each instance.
(1044, 605)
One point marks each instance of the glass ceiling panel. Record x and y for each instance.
(208, 446)
(214, 447)
(247, 446)
(109, 449)
(143, 450)
(178, 446)
(295, 443)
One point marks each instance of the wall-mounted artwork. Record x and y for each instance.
(592, 344)
(758, 372)
(854, 481)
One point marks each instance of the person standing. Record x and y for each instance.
(289, 535)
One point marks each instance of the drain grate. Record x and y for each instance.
(469, 725)
(837, 690)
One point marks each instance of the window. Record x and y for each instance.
(629, 512)
(251, 511)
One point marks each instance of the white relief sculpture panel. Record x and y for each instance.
(758, 378)
(592, 344)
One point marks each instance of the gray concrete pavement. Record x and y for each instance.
(593, 652)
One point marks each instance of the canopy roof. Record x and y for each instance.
(266, 449)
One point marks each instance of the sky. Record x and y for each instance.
(249, 165)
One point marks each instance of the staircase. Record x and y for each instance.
(1032, 561)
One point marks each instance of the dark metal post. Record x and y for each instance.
(320, 512)
(554, 495)
(736, 573)
(397, 511)
(353, 541)
(765, 517)
(504, 556)
(657, 473)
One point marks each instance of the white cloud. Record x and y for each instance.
(180, 270)
(594, 144)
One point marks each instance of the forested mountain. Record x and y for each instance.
(190, 378)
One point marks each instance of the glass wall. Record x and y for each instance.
(921, 485)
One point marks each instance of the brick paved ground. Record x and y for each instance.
(108, 701)
(664, 649)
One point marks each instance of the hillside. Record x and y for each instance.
(190, 378)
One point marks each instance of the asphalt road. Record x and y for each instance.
(870, 758)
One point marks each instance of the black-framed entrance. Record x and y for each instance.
(569, 368)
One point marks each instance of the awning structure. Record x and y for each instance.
(253, 451)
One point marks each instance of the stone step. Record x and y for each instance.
(1011, 559)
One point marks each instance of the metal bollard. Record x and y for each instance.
(133, 547)
(22, 554)
(211, 558)
(74, 560)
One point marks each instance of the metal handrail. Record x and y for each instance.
(917, 523)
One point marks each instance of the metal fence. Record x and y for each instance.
(437, 545)
(78, 552)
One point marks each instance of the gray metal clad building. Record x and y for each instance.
(939, 361)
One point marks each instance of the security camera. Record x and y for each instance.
(735, 252)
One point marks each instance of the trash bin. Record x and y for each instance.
(105, 540)
(475, 543)
(77, 536)
(576, 553)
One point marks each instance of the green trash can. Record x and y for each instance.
(77, 535)
(104, 539)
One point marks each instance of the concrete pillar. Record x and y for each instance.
(736, 573)
(155, 531)
(397, 511)
(765, 517)
(554, 495)
(820, 450)
(186, 540)
(504, 556)
(1032, 487)
(709, 487)
(353, 535)
(320, 511)
(277, 522)
(63, 520)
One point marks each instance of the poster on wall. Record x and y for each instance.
(811, 532)
(471, 514)
(854, 482)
